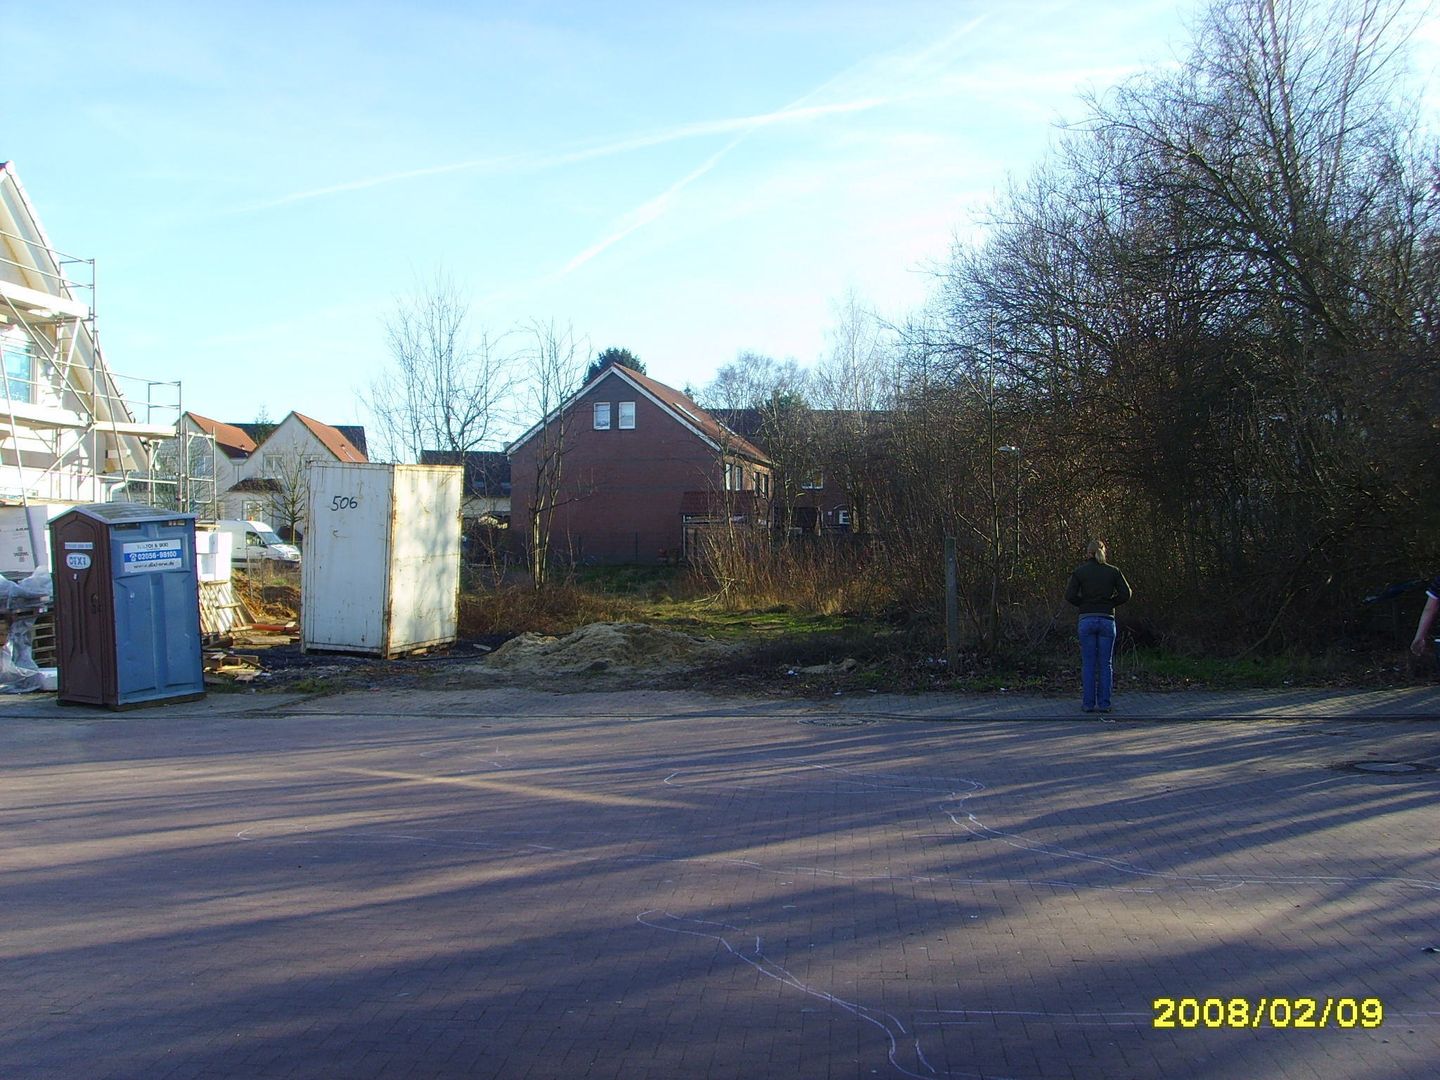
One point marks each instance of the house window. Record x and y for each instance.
(19, 370)
(627, 415)
(732, 476)
(842, 517)
(602, 416)
(813, 482)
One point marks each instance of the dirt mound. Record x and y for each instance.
(605, 647)
(269, 600)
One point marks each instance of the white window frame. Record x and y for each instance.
(602, 416)
(813, 482)
(626, 416)
(842, 515)
(20, 387)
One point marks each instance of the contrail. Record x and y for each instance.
(516, 163)
(653, 209)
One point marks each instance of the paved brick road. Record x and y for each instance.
(501, 883)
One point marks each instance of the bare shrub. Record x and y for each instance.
(749, 570)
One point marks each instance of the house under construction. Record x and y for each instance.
(71, 430)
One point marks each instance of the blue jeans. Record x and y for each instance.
(1097, 646)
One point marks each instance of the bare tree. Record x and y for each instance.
(752, 380)
(554, 361)
(286, 492)
(1213, 316)
(447, 387)
(854, 384)
(769, 401)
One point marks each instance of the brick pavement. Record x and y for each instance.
(501, 883)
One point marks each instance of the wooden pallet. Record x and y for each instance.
(221, 611)
(42, 644)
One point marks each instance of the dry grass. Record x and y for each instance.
(748, 571)
(555, 610)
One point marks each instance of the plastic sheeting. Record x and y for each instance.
(19, 674)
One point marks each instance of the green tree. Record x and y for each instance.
(611, 356)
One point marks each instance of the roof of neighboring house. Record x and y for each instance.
(231, 438)
(355, 433)
(346, 442)
(678, 405)
(487, 472)
(264, 484)
(333, 439)
(683, 404)
(749, 423)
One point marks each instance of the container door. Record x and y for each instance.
(84, 628)
(156, 612)
(425, 558)
(344, 574)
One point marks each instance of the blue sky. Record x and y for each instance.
(260, 182)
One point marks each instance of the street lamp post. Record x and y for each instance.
(1015, 492)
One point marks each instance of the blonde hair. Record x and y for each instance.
(1096, 549)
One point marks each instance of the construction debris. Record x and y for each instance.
(222, 667)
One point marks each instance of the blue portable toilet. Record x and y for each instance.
(127, 606)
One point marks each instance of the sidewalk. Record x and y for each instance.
(1413, 703)
(1418, 703)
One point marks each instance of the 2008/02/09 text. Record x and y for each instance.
(1279, 1012)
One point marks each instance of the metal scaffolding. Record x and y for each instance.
(69, 431)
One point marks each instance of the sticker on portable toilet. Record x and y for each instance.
(79, 545)
(77, 562)
(148, 556)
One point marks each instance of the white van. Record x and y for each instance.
(252, 542)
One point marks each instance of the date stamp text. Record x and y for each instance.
(1277, 1012)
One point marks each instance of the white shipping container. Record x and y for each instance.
(381, 567)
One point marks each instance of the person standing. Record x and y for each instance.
(1097, 589)
(1427, 618)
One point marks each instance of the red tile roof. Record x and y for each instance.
(686, 410)
(333, 440)
(228, 437)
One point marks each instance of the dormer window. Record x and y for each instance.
(602, 416)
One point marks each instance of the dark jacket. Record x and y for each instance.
(1097, 588)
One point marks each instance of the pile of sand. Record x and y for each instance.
(605, 647)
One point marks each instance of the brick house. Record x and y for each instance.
(642, 468)
(811, 466)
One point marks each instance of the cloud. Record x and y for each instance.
(521, 163)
